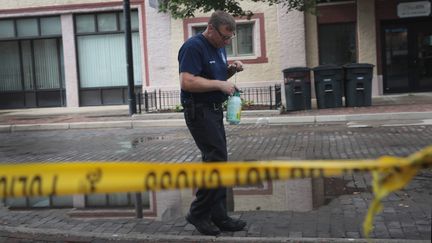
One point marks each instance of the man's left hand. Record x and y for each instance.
(236, 66)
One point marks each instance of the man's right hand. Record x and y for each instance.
(228, 88)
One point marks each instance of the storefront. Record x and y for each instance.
(406, 45)
(31, 63)
(67, 55)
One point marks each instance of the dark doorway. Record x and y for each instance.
(407, 55)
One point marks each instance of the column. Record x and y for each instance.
(70, 61)
(366, 42)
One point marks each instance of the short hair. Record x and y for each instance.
(219, 18)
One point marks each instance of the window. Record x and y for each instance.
(85, 23)
(249, 45)
(102, 59)
(10, 72)
(107, 22)
(198, 29)
(134, 20)
(41, 65)
(104, 22)
(337, 43)
(50, 26)
(101, 49)
(27, 27)
(241, 45)
(27, 61)
(31, 59)
(30, 27)
(7, 28)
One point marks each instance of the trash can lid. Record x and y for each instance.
(296, 69)
(327, 67)
(358, 65)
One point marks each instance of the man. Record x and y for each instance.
(203, 72)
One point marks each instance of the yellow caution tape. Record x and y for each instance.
(52, 179)
(394, 178)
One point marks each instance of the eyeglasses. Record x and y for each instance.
(225, 37)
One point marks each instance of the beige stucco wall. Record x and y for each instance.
(69, 53)
(366, 39)
(291, 31)
(158, 34)
(311, 30)
(254, 74)
(312, 56)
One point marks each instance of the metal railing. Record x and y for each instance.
(253, 98)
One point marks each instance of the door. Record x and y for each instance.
(423, 57)
(407, 56)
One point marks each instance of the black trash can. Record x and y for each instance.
(297, 88)
(328, 86)
(358, 84)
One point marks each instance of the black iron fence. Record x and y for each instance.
(253, 98)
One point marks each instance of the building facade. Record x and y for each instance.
(71, 53)
(393, 35)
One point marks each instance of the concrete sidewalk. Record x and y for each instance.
(393, 107)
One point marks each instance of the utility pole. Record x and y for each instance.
(131, 85)
(129, 59)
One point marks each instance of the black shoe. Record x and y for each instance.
(230, 224)
(205, 227)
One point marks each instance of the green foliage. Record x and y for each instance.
(178, 108)
(187, 8)
(244, 103)
(247, 102)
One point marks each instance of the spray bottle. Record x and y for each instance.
(234, 106)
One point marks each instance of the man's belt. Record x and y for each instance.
(192, 105)
(214, 106)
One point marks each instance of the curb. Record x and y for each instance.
(273, 120)
(179, 115)
(20, 232)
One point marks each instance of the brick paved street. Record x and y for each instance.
(407, 213)
(245, 142)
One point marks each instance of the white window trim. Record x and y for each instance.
(256, 41)
(256, 38)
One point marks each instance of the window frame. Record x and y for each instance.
(259, 42)
(96, 27)
(236, 55)
(39, 28)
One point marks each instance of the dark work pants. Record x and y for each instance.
(205, 123)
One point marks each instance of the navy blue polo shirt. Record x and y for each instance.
(198, 57)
